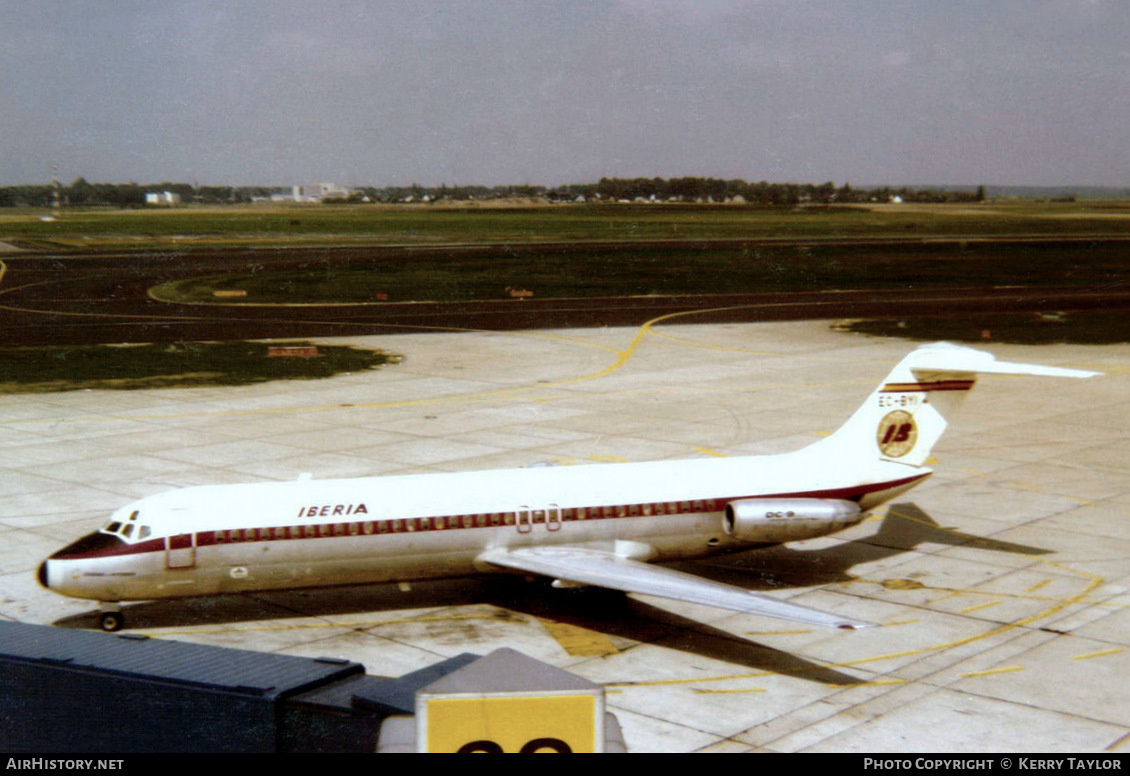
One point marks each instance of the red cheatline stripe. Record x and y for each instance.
(425, 524)
(936, 385)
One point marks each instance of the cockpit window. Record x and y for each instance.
(127, 530)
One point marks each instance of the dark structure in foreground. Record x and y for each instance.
(65, 690)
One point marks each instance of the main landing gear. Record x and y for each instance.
(111, 619)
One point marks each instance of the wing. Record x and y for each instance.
(605, 569)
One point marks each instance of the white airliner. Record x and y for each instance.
(602, 525)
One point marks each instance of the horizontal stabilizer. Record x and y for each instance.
(606, 569)
(947, 357)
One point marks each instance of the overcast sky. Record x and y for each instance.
(391, 92)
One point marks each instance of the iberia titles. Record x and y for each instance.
(333, 510)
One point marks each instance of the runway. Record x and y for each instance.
(1000, 584)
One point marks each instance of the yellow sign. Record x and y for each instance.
(518, 723)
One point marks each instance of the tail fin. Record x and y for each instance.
(907, 414)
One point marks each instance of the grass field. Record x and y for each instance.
(380, 224)
(51, 369)
(666, 270)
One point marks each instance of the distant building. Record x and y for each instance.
(309, 192)
(162, 199)
(320, 192)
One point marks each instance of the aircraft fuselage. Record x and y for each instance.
(264, 536)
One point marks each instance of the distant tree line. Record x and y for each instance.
(81, 193)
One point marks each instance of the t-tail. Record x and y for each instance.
(905, 416)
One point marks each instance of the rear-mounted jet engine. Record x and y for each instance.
(788, 520)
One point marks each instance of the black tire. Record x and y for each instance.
(111, 621)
